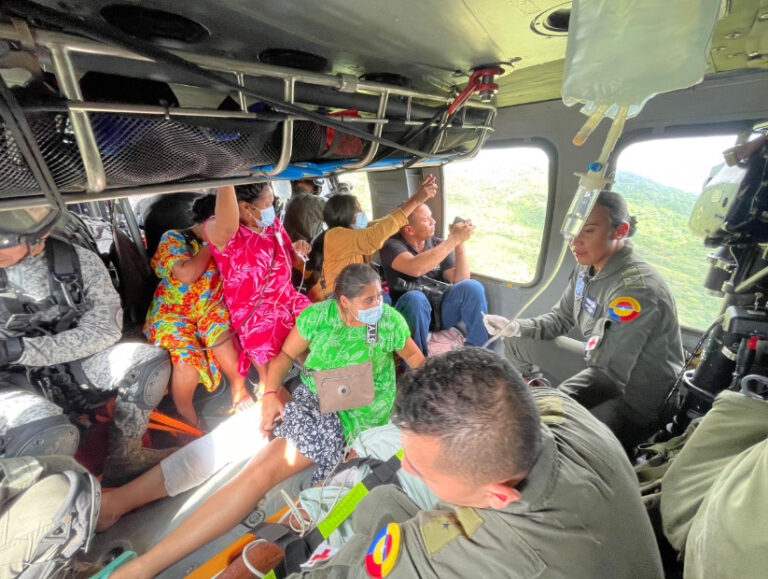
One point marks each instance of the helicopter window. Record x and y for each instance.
(661, 179)
(360, 189)
(504, 191)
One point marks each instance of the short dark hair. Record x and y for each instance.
(251, 192)
(353, 279)
(618, 210)
(476, 403)
(339, 211)
(203, 208)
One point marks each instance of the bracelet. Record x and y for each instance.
(276, 393)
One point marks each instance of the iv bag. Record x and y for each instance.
(623, 52)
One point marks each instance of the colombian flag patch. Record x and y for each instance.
(624, 309)
(382, 554)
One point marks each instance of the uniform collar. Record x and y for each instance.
(538, 483)
(617, 261)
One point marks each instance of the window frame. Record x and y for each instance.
(550, 151)
(677, 132)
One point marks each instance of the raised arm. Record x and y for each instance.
(427, 189)
(418, 265)
(223, 226)
(461, 271)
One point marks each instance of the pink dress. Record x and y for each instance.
(244, 264)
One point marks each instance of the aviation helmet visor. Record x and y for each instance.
(26, 226)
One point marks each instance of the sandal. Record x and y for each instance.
(244, 404)
(119, 561)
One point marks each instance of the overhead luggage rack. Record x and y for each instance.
(284, 117)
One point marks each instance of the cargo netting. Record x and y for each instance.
(139, 150)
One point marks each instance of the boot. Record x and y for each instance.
(128, 459)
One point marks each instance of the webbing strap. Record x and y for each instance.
(380, 475)
(65, 281)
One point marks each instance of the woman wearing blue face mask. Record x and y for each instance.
(350, 238)
(255, 257)
(335, 333)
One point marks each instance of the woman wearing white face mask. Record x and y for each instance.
(350, 238)
(255, 257)
(337, 334)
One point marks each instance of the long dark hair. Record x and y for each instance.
(339, 211)
(353, 279)
(618, 210)
(251, 192)
(203, 208)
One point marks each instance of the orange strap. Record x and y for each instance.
(160, 421)
(219, 562)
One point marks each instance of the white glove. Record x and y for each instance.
(499, 324)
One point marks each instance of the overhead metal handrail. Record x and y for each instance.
(341, 82)
(61, 47)
(81, 124)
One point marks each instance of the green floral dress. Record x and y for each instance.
(334, 344)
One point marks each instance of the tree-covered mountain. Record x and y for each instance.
(507, 202)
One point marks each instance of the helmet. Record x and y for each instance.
(26, 226)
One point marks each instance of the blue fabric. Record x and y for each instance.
(464, 302)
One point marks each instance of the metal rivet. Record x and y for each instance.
(718, 49)
(762, 16)
(736, 34)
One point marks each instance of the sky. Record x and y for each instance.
(683, 163)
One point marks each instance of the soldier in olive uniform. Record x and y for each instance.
(625, 314)
(532, 485)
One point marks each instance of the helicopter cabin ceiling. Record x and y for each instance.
(425, 44)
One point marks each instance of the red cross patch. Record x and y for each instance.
(323, 552)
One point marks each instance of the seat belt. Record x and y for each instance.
(65, 275)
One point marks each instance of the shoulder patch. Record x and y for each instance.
(623, 309)
(469, 520)
(383, 551)
(551, 409)
(438, 532)
(633, 278)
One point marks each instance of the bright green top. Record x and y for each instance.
(333, 344)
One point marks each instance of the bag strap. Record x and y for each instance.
(66, 281)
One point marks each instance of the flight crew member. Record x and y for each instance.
(632, 350)
(531, 485)
(304, 213)
(415, 255)
(59, 318)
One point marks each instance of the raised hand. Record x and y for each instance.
(427, 189)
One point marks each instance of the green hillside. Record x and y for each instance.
(507, 201)
(664, 240)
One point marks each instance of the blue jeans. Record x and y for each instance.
(465, 302)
